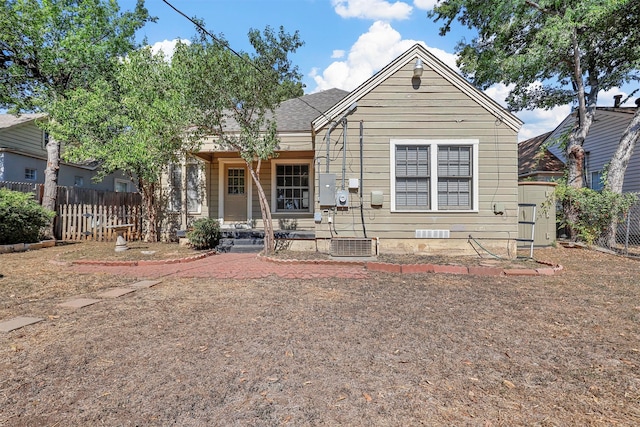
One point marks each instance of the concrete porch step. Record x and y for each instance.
(252, 241)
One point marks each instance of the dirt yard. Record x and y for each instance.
(387, 350)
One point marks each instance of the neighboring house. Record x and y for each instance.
(415, 158)
(23, 158)
(600, 145)
(536, 162)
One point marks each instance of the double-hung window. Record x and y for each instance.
(434, 175)
(292, 191)
(177, 186)
(412, 177)
(454, 177)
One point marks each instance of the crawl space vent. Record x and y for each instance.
(351, 247)
(432, 234)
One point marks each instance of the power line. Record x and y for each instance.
(204, 30)
(226, 45)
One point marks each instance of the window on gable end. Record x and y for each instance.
(434, 175)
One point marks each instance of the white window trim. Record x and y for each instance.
(433, 167)
(274, 192)
(117, 181)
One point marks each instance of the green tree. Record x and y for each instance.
(49, 48)
(136, 122)
(237, 94)
(550, 53)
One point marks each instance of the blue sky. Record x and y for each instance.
(346, 41)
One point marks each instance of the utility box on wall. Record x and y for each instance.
(377, 198)
(327, 189)
(342, 198)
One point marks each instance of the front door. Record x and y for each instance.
(235, 194)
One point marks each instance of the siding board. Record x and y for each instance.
(436, 110)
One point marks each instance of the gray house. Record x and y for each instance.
(415, 159)
(23, 158)
(600, 145)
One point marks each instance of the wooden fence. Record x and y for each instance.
(86, 214)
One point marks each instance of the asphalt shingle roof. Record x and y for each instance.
(295, 115)
(531, 159)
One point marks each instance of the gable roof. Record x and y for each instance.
(531, 160)
(296, 115)
(10, 120)
(429, 60)
(608, 125)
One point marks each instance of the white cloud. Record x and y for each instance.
(167, 46)
(605, 98)
(537, 121)
(372, 9)
(425, 4)
(337, 54)
(373, 50)
(498, 92)
(448, 58)
(540, 121)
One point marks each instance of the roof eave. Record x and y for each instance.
(438, 66)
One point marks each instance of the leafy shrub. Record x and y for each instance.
(205, 234)
(594, 211)
(21, 218)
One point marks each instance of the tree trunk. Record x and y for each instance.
(575, 164)
(585, 114)
(148, 193)
(618, 167)
(575, 159)
(50, 194)
(269, 237)
(620, 160)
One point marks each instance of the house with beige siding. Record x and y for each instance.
(23, 158)
(415, 159)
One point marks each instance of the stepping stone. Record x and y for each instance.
(18, 322)
(116, 292)
(79, 303)
(145, 284)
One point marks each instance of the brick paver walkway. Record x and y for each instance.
(230, 265)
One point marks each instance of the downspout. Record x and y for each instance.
(364, 229)
(344, 151)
